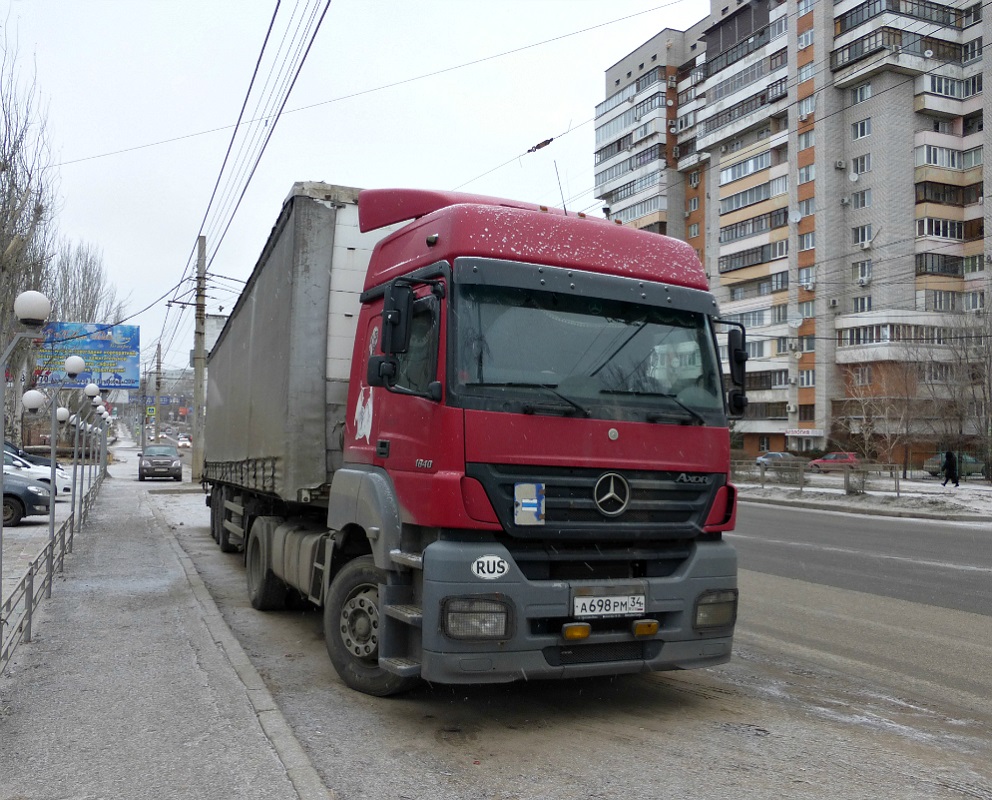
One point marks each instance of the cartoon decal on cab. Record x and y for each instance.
(363, 416)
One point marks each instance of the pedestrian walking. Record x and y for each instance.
(950, 468)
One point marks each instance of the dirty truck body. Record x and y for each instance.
(488, 438)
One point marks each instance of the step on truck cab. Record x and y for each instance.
(489, 438)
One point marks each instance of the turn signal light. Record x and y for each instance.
(644, 627)
(573, 631)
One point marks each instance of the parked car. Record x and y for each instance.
(967, 465)
(160, 461)
(10, 447)
(776, 459)
(23, 497)
(834, 461)
(184, 442)
(15, 465)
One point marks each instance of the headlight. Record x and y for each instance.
(38, 491)
(716, 609)
(177, 463)
(475, 618)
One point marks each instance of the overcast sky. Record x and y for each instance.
(142, 97)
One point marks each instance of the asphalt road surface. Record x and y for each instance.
(844, 684)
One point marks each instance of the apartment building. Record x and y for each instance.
(826, 162)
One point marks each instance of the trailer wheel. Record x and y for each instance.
(265, 591)
(351, 630)
(216, 513)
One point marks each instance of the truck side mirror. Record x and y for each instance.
(397, 311)
(381, 371)
(737, 355)
(736, 403)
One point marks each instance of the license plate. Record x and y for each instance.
(608, 605)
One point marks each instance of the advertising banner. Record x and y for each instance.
(111, 352)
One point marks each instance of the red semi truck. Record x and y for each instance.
(487, 437)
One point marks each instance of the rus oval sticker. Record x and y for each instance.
(489, 567)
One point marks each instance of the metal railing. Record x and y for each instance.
(18, 609)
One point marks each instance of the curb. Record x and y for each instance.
(299, 769)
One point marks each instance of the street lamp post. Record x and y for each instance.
(33, 400)
(91, 391)
(31, 309)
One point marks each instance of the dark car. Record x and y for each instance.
(160, 461)
(41, 461)
(834, 461)
(777, 459)
(23, 497)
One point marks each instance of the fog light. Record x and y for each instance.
(573, 631)
(475, 618)
(644, 627)
(716, 609)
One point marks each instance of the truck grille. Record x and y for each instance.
(662, 505)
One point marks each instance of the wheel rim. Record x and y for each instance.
(359, 623)
(8, 512)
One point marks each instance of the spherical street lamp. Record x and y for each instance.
(32, 309)
(33, 400)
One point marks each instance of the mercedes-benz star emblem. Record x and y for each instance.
(612, 494)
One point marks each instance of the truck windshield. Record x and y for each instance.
(544, 352)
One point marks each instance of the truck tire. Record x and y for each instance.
(351, 630)
(13, 511)
(265, 591)
(216, 513)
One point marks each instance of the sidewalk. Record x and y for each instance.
(133, 686)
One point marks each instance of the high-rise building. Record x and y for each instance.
(826, 162)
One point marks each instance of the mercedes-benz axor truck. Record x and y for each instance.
(489, 438)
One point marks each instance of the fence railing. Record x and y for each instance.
(18, 609)
(853, 480)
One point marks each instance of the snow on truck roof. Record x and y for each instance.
(490, 227)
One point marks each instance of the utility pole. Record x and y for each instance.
(199, 357)
(158, 384)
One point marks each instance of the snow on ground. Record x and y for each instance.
(917, 498)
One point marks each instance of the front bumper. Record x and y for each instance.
(535, 647)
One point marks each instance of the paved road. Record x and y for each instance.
(946, 564)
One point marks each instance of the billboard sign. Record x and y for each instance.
(111, 352)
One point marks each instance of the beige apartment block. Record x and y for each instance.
(825, 160)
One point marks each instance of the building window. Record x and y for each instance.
(972, 264)
(807, 412)
(973, 301)
(694, 178)
(861, 129)
(860, 93)
(693, 204)
(807, 275)
(861, 304)
(807, 139)
(941, 301)
(778, 59)
(806, 106)
(861, 270)
(807, 377)
(807, 309)
(737, 293)
(861, 376)
(861, 234)
(780, 313)
(805, 39)
(807, 344)
(807, 241)
(807, 173)
(940, 228)
(861, 199)
(694, 230)
(755, 349)
(806, 72)
(807, 207)
(764, 443)
(805, 6)
(861, 164)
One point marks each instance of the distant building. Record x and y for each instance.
(826, 162)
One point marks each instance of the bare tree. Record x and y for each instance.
(76, 283)
(26, 200)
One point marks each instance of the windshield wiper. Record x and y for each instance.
(531, 408)
(658, 416)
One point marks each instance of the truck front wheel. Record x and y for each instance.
(352, 628)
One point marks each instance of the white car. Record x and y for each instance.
(15, 465)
